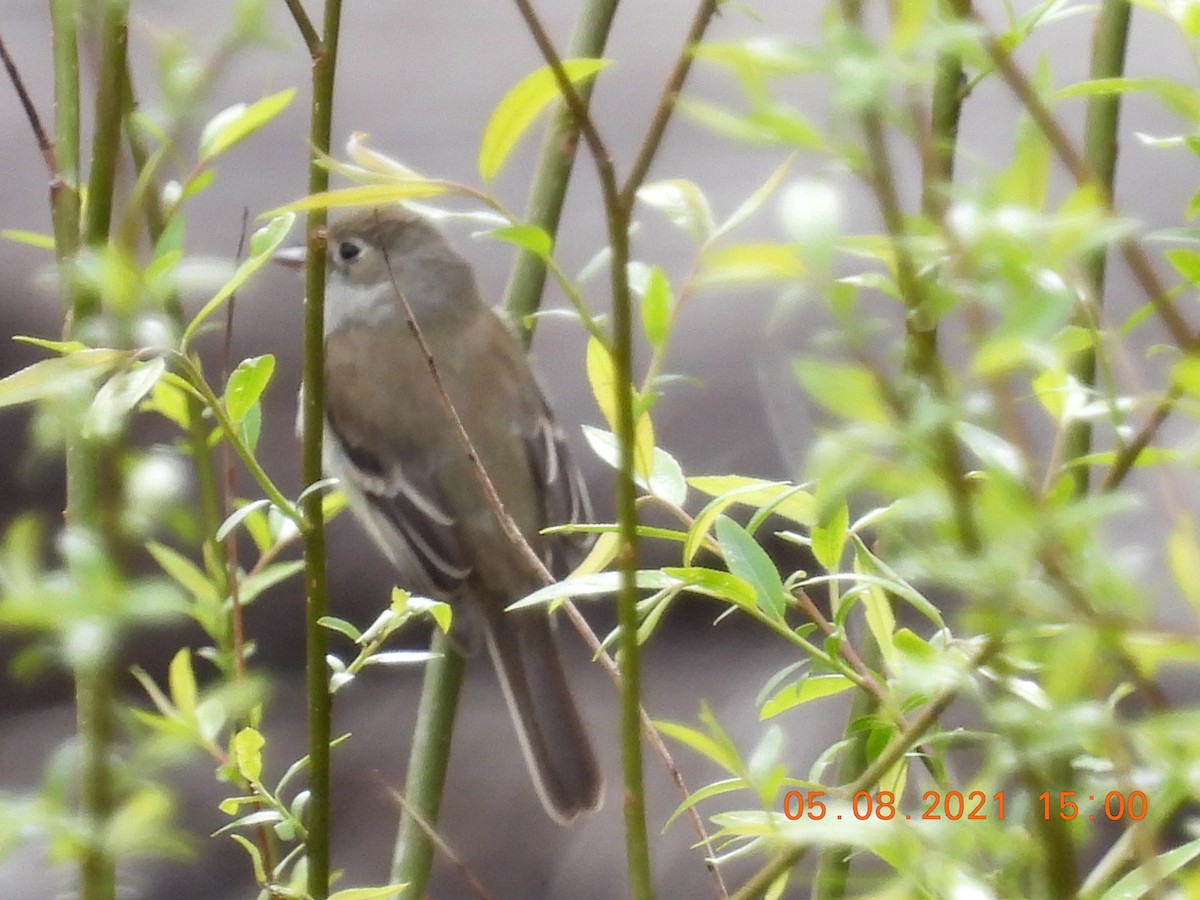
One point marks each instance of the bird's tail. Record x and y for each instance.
(552, 734)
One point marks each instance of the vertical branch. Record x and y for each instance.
(617, 213)
(425, 783)
(666, 104)
(921, 353)
(87, 496)
(945, 111)
(523, 294)
(64, 185)
(319, 706)
(106, 141)
(412, 860)
(637, 846)
(1100, 153)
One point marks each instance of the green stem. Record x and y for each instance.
(637, 845)
(1100, 153)
(64, 188)
(637, 842)
(86, 492)
(413, 856)
(424, 785)
(523, 295)
(921, 351)
(945, 111)
(106, 141)
(95, 721)
(193, 377)
(316, 590)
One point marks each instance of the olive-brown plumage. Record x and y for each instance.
(410, 481)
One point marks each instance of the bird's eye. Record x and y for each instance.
(348, 250)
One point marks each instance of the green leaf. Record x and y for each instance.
(520, 106)
(1186, 374)
(716, 745)
(256, 860)
(754, 202)
(1027, 178)
(657, 301)
(666, 475)
(60, 347)
(1146, 878)
(119, 395)
(365, 195)
(602, 377)
(749, 264)
(829, 537)
(591, 585)
(810, 687)
(29, 238)
(267, 578)
(749, 561)
(235, 518)
(247, 752)
(683, 203)
(528, 237)
(246, 385)
(785, 498)
(51, 377)
(341, 626)
(1185, 262)
(877, 606)
(1183, 555)
(373, 893)
(236, 122)
(715, 583)
(182, 683)
(263, 243)
(1176, 95)
(184, 571)
(850, 392)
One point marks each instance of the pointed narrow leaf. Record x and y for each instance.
(520, 106)
(810, 687)
(182, 683)
(602, 378)
(233, 124)
(263, 244)
(49, 377)
(246, 385)
(750, 562)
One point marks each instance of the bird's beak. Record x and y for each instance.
(291, 257)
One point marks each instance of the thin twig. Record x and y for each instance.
(1129, 454)
(474, 885)
(570, 95)
(312, 40)
(523, 295)
(45, 145)
(666, 102)
(617, 213)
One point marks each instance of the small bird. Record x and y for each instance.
(390, 441)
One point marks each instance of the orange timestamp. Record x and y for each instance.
(954, 805)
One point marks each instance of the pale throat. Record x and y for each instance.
(351, 303)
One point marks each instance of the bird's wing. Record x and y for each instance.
(402, 507)
(564, 498)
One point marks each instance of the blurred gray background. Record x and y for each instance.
(422, 79)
